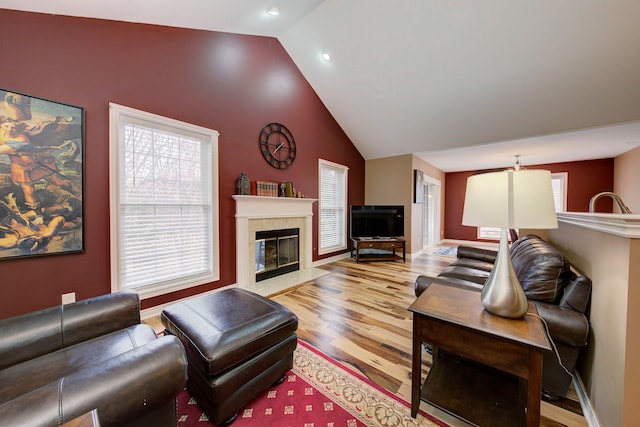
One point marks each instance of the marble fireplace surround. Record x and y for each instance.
(257, 213)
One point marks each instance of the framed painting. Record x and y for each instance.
(41, 176)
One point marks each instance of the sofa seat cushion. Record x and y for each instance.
(473, 263)
(423, 282)
(123, 389)
(541, 269)
(27, 376)
(467, 274)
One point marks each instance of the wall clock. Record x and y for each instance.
(277, 145)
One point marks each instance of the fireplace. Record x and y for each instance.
(277, 252)
(256, 214)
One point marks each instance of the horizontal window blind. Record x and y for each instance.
(559, 186)
(165, 209)
(165, 205)
(332, 206)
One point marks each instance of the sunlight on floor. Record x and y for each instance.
(278, 284)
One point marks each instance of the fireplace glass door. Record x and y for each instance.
(277, 252)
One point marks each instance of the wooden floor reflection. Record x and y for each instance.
(357, 314)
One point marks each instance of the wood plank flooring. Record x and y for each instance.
(357, 314)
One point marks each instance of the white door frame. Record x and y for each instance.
(431, 215)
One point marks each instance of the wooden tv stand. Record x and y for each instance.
(378, 249)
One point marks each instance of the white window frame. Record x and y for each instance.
(341, 233)
(117, 115)
(560, 200)
(489, 233)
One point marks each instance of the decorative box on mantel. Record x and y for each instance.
(256, 213)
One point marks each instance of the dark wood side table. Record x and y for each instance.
(486, 369)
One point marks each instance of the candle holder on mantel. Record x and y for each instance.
(244, 185)
(286, 189)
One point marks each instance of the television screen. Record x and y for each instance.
(377, 221)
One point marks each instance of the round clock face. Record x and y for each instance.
(277, 145)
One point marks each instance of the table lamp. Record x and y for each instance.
(508, 199)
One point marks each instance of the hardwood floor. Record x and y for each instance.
(357, 314)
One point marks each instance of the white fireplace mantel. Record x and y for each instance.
(260, 211)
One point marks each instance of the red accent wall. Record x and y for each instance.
(585, 179)
(232, 83)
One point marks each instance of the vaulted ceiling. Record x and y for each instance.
(463, 84)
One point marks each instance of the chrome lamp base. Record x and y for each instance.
(502, 294)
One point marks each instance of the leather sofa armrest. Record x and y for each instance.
(577, 294)
(470, 252)
(423, 282)
(123, 388)
(34, 334)
(565, 326)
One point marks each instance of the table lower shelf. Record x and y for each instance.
(472, 392)
(380, 255)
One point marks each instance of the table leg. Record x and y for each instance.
(534, 388)
(416, 366)
(523, 397)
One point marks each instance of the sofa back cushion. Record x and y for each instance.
(541, 269)
(34, 334)
(29, 335)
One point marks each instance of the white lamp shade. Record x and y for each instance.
(510, 199)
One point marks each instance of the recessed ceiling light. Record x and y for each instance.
(326, 55)
(273, 11)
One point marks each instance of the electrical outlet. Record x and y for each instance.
(68, 298)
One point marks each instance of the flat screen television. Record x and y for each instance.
(377, 221)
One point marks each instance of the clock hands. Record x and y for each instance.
(277, 148)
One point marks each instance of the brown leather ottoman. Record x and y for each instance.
(238, 344)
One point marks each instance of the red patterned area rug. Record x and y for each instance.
(317, 392)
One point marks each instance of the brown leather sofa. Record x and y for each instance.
(59, 363)
(560, 293)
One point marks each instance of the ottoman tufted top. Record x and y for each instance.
(223, 329)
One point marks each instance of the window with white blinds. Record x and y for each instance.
(332, 207)
(164, 203)
(559, 185)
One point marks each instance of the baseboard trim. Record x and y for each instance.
(589, 414)
(331, 259)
